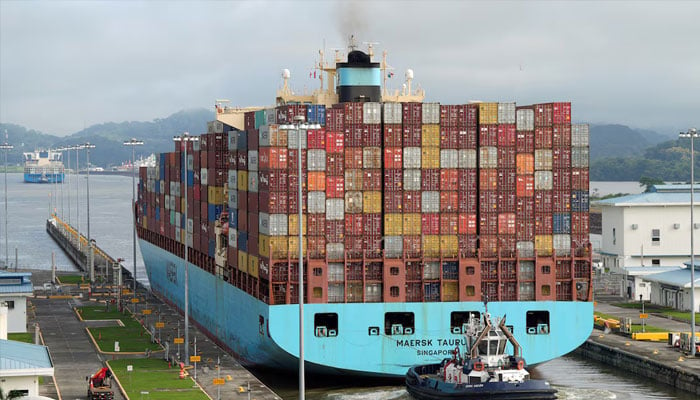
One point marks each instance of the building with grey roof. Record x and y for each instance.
(672, 288)
(15, 288)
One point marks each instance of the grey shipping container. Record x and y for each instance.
(449, 158)
(525, 119)
(431, 270)
(543, 159)
(316, 160)
(506, 113)
(336, 272)
(371, 113)
(292, 138)
(467, 158)
(392, 113)
(579, 157)
(525, 249)
(543, 180)
(393, 246)
(579, 135)
(411, 179)
(488, 157)
(317, 202)
(252, 160)
(353, 202)
(232, 179)
(430, 202)
(252, 181)
(431, 113)
(335, 251)
(335, 209)
(264, 135)
(411, 157)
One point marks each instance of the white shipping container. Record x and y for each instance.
(178, 189)
(161, 186)
(264, 135)
(190, 225)
(334, 209)
(279, 224)
(252, 160)
(579, 135)
(233, 140)
(371, 113)
(270, 116)
(264, 223)
(579, 156)
(393, 246)
(561, 244)
(252, 181)
(190, 161)
(232, 179)
(392, 113)
(173, 199)
(430, 201)
(449, 158)
(373, 292)
(178, 219)
(431, 270)
(543, 180)
(293, 138)
(525, 119)
(233, 237)
(335, 251)
(411, 157)
(431, 113)
(203, 176)
(467, 158)
(371, 157)
(317, 202)
(178, 234)
(336, 272)
(215, 127)
(353, 202)
(488, 157)
(543, 160)
(316, 160)
(167, 202)
(506, 113)
(233, 199)
(195, 146)
(525, 249)
(411, 179)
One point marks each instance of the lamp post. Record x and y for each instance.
(692, 134)
(133, 143)
(5, 146)
(87, 146)
(77, 193)
(298, 126)
(183, 139)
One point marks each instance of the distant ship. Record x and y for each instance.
(43, 166)
(149, 161)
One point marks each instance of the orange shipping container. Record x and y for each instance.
(524, 163)
(393, 157)
(488, 179)
(353, 157)
(467, 224)
(317, 181)
(273, 158)
(506, 223)
(525, 185)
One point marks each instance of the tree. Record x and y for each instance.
(648, 182)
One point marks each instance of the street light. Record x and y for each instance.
(77, 193)
(298, 126)
(185, 137)
(692, 134)
(87, 146)
(5, 146)
(133, 143)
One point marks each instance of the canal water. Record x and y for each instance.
(29, 205)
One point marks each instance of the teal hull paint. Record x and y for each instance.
(233, 318)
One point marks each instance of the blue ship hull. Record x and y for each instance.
(260, 335)
(43, 178)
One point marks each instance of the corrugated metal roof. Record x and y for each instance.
(16, 282)
(19, 355)
(678, 278)
(650, 198)
(674, 188)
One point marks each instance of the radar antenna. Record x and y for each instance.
(352, 45)
(370, 48)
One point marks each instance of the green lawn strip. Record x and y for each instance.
(71, 279)
(635, 327)
(667, 311)
(21, 337)
(153, 376)
(132, 337)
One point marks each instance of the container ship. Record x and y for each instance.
(413, 214)
(43, 166)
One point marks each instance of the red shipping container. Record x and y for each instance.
(561, 135)
(252, 203)
(335, 187)
(372, 179)
(293, 160)
(353, 224)
(449, 201)
(412, 135)
(316, 224)
(488, 201)
(317, 246)
(274, 180)
(334, 142)
(242, 200)
(430, 179)
(488, 135)
(506, 180)
(488, 179)
(273, 202)
(203, 158)
(506, 223)
(353, 246)
(411, 202)
(506, 135)
(353, 113)
(524, 229)
(253, 139)
(448, 179)
(561, 157)
(392, 200)
(506, 157)
(579, 179)
(272, 158)
(412, 113)
(543, 137)
(203, 212)
(525, 185)
(412, 246)
(466, 180)
(393, 157)
(466, 138)
(468, 244)
(253, 223)
(543, 201)
(393, 180)
(293, 202)
(335, 231)
(580, 223)
(353, 157)
(335, 119)
(249, 120)
(316, 139)
(543, 114)
(467, 202)
(252, 244)
(352, 136)
(506, 201)
(242, 221)
(467, 224)
(449, 137)
(449, 223)
(430, 224)
(393, 135)
(561, 201)
(525, 207)
(371, 135)
(335, 164)
(371, 224)
(242, 161)
(488, 223)
(286, 113)
(472, 114)
(372, 246)
(561, 179)
(196, 193)
(561, 113)
(543, 223)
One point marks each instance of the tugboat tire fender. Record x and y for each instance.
(478, 366)
(521, 364)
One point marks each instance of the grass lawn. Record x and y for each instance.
(132, 337)
(71, 279)
(21, 337)
(153, 376)
(652, 308)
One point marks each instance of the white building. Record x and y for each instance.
(648, 229)
(672, 288)
(15, 288)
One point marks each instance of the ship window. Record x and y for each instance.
(318, 292)
(394, 270)
(394, 291)
(546, 269)
(399, 323)
(470, 270)
(459, 320)
(318, 272)
(325, 324)
(546, 290)
(537, 322)
(471, 291)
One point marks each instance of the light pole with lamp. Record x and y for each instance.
(77, 193)
(183, 139)
(299, 125)
(87, 146)
(133, 143)
(692, 134)
(5, 146)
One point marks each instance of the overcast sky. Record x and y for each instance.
(66, 65)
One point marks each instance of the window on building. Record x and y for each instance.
(470, 270)
(318, 271)
(394, 271)
(471, 291)
(326, 325)
(394, 291)
(546, 290)
(399, 323)
(546, 269)
(317, 292)
(614, 237)
(10, 304)
(655, 261)
(655, 237)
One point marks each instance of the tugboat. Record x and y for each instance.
(484, 372)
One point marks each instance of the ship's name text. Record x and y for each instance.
(430, 342)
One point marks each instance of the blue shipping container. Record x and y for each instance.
(157, 213)
(233, 218)
(243, 141)
(561, 223)
(579, 201)
(450, 270)
(214, 211)
(243, 241)
(212, 247)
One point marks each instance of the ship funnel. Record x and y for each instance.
(359, 79)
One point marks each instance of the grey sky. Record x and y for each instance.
(65, 65)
